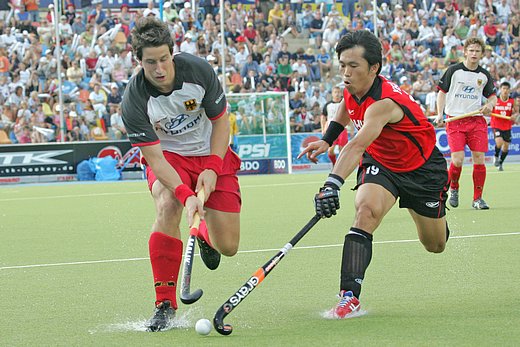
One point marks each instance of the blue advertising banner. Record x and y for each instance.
(300, 141)
(253, 146)
(514, 147)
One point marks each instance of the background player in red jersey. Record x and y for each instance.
(399, 159)
(506, 106)
(460, 91)
(174, 109)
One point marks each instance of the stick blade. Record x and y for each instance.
(189, 299)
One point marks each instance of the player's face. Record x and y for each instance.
(336, 94)
(504, 92)
(357, 75)
(158, 67)
(473, 54)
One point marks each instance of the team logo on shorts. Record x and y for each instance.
(432, 204)
(190, 104)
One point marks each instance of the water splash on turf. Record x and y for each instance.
(183, 320)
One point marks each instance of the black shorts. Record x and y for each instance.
(423, 190)
(504, 134)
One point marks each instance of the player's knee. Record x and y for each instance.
(366, 212)
(228, 250)
(435, 247)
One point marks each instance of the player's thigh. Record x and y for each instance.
(168, 209)
(224, 230)
(431, 231)
(373, 201)
(456, 140)
(477, 138)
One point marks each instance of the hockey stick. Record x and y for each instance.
(187, 297)
(255, 280)
(465, 115)
(498, 115)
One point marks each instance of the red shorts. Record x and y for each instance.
(226, 197)
(471, 131)
(342, 139)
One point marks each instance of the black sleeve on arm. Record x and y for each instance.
(332, 133)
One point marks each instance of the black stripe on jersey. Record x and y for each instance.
(414, 141)
(374, 92)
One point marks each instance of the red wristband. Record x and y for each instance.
(214, 162)
(183, 192)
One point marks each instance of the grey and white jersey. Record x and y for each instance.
(180, 120)
(464, 88)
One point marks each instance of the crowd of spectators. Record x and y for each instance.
(420, 39)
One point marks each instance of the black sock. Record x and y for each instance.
(503, 156)
(497, 151)
(357, 253)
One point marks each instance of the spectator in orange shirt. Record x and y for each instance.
(4, 63)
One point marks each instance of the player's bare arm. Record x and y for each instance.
(376, 117)
(489, 105)
(314, 149)
(169, 178)
(441, 103)
(219, 145)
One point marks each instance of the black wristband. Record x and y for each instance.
(332, 133)
(334, 181)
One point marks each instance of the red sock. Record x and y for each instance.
(203, 232)
(166, 257)
(479, 177)
(454, 173)
(332, 158)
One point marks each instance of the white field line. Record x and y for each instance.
(244, 252)
(146, 191)
(242, 186)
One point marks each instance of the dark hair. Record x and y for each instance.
(363, 38)
(505, 84)
(150, 32)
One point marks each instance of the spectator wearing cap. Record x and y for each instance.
(125, 19)
(268, 79)
(188, 45)
(186, 16)
(70, 13)
(250, 32)
(151, 6)
(114, 98)
(64, 27)
(314, 63)
(169, 14)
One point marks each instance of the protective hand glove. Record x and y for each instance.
(326, 202)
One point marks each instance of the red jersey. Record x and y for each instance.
(403, 146)
(505, 108)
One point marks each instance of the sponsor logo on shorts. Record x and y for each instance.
(432, 204)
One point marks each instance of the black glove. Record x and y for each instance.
(326, 202)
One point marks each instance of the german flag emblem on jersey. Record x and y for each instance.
(190, 104)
